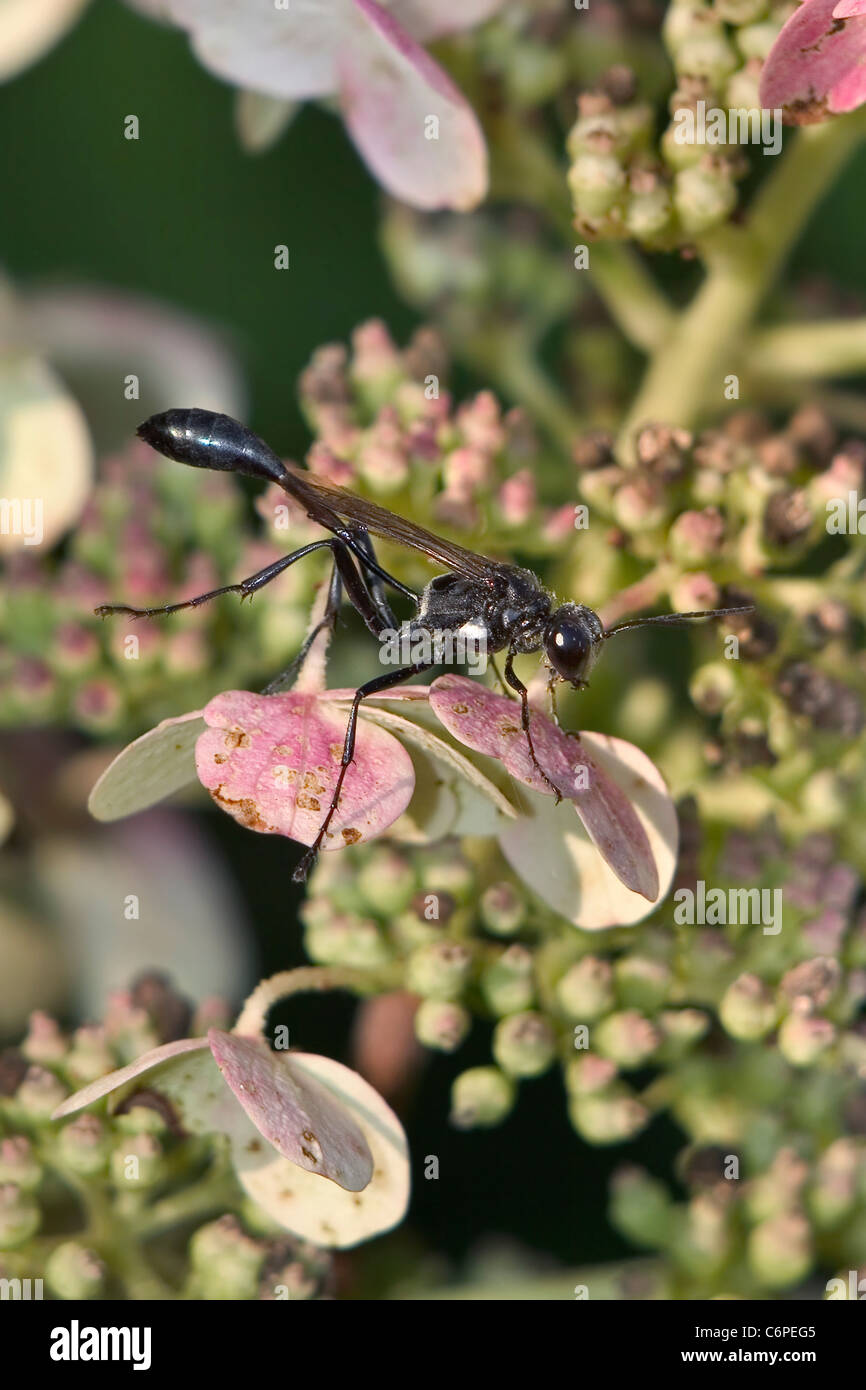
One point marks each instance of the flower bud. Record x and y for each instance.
(697, 537)
(641, 982)
(585, 991)
(712, 686)
(704, 196)
(502, 909)
(89, 1056)
(780, 1250)
(748, 1009)
(226, 1262)
(524, 1044)
(627, 1038)
(74, 1273)
(441, 1024)
(834, 1184)
(597, 182)
(507, 984)
(19, 1216)
(39, 1094)
(740, 11)
(44, 1042)
(802, 1039)
(386, 881)
(641, 1207)
(588, 1073)
(481, 1098)
(608, 1119)
(649, 209)
(18, 1163)
(85, 1145)
(137, 1163)
(439, 970)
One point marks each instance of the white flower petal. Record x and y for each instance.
(155, 765)
(29, 28)
(553, 854)
(429, 19)
(283, 52)
(321, 1211)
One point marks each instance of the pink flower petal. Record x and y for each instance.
(272, 763)
(412, 125)
(847, 9)
(321, 1211)
(553, 854)
(817, 66)
(490, 724)
(295, 1113)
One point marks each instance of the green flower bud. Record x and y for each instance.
(708, 55)
(756, 40)
(507, 984)
(697, 537)
(834, 1186)
(597, 182)
(502, 909)
(439, 971)
(345, 940)
(481, 1098)
(386, 881)
(89, 1056)
(226, 1262)
(441, 1024)
(713, 685)
(608, 1119)
(19, 1216)
(85, 1144)
(780, 1250)
(585, 991)
(524, 1044)
(681, 1029)
(641, 1207)
(704, 196)
(74, 1272)
(740, 11)
(649, 211)
(802, 1039)
(18, 1163)
(627, 1038)
(39, 1094)
(703, 1244)
(641, 982)
(444, 871)
(748, 1010)
(639, 505)
(137, 1163)
(44, 1043)
(587, 1074)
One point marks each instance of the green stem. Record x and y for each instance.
(741, 263)
(835, 347)
(631, 296)
(304, 979)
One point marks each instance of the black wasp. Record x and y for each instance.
(503, 603)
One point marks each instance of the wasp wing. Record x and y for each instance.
(322, 500)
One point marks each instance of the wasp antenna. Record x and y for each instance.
(679, 619)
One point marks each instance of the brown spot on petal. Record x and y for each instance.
(351, 836)
(308, 803)
(236, 738)
(254, 1146)
(220, 757)
(245, 810)
(508, 728)
(461, 709)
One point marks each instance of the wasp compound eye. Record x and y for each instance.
(571, 642)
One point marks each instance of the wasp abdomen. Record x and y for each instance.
(206, 439)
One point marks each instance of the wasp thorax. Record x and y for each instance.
(572, 641)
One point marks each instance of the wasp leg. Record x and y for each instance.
(517, 684)
(246, 587)
(373, 687)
